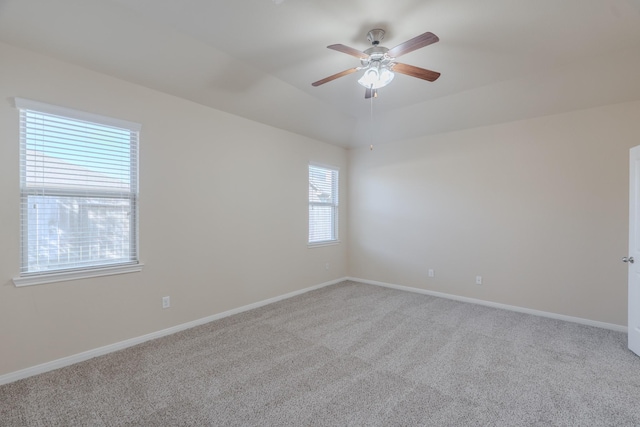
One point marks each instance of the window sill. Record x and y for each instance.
(321, 244)
(40, 279)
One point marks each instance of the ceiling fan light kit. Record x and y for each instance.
(376, 76)
(379, 63)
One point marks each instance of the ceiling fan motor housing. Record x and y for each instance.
(376, 54)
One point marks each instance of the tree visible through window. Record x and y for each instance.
(323, 205)
(79, 189)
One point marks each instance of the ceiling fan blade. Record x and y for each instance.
(415, 43)
(410, 70)
(335, 76)
(370, 93)
(349, 51)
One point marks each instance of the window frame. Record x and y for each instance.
(334, 204)
(97, 269)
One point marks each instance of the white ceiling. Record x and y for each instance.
(500, 60)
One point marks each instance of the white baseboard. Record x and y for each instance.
(611, 326)
(100, 351)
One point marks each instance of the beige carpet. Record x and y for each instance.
(348, 354)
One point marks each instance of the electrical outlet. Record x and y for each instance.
(166, 302)
(326, 266)
(432, 273)
(478, 280)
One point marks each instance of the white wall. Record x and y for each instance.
(223, 217)
(539, 208)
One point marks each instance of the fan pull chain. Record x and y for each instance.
(371, 127)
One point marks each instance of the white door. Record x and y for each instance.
(633, 258)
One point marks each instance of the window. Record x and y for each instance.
(79, 193)
(323, 205)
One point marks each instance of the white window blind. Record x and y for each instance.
(79, 189)
(323, 205)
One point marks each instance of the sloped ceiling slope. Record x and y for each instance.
(501, 60)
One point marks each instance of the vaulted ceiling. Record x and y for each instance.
(501, 60)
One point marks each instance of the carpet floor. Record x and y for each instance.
(348, 354)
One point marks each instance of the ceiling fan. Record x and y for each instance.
(380, 63)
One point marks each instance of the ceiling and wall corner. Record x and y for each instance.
(500, 60)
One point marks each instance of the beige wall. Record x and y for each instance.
(223, 218)
(538, 208)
